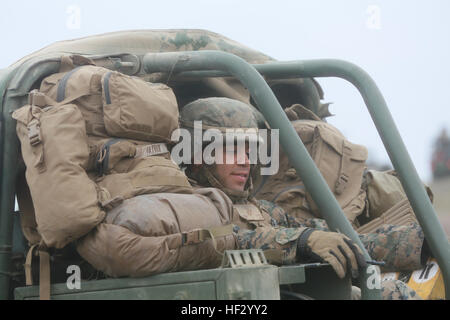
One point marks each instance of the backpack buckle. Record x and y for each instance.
(190, 237)
(34, 132)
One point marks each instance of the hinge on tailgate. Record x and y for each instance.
(243, 258)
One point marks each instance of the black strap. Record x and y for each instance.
(303, 251)
(106, 88)
(61, 93)
(102, 162)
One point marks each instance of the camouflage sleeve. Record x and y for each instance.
(316, 223)
(399, 246)
(279, 216)
(279, 243)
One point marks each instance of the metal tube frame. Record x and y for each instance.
(175, 62)
(382, 118)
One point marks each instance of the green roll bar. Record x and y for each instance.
(175, 62)
(382, 118)
(222, 64)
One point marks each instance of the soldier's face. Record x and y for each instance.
(235, 170)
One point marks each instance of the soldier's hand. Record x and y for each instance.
(335, 248)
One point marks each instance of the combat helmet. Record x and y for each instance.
(225, 115)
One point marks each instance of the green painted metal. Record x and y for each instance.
(192, 291)
(221, 284)
(271, 109)
(256, 283)
(323, 278)
(291, 274)
(249, 283)
(10, 152)
(6, 217)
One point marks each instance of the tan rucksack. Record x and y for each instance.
(341, 163)
(56, 153)
(162, 232)
(114, 104)
(123, 114)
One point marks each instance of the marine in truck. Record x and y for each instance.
(233, 175)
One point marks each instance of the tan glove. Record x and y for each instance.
(335, 248)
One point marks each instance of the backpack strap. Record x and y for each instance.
(44, 270)
(200, 235)
(102, 162)
(28, 262)
(36, 98)
(343, 175)
(61, 90)
(44, 273)
(35, 138)
(61, 98)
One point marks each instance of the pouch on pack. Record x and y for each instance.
(340, 162)
(384, 191)
(162, 232)
(128, 168)
(115, 104)
(56, 153)
(400, 214)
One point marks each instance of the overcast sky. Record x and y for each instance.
(403, 45)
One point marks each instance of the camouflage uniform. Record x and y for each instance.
(399, 246)
(270, 235)
(271, 239)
